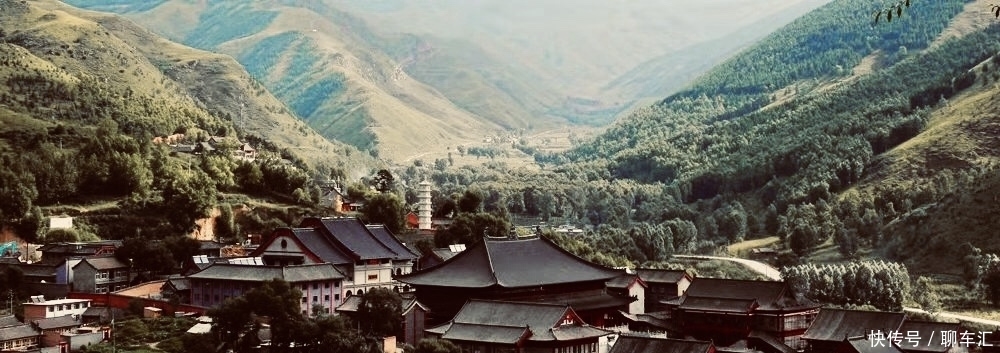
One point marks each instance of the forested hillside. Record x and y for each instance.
(772, 136)
(89, 109)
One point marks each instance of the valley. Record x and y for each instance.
(358, 72)
(802, 130)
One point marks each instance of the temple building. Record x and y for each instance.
(369, 255)
(501, 326)
(835, 329)
(766, 314)
(532, 269)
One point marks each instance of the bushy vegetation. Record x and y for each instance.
(884, 285)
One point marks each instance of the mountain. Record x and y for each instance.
(453, 72)
(833, 131)
(666, 74)
(320, 62)
(168, 86)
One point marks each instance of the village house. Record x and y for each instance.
(39, 308)
(370, 256)
(17, 336)
(54, 253)
(503, 326)
(53, 328)
(320, 284)
(529, 270)
(100, 275)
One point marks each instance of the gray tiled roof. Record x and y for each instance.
(511, 264)
(486, 334)
(838, 324)
(103, 263)
(17, 332)
(693, 303)
(318, 244)
(386, 237)
(78, 248)
(38, 270)
(541, 319)
(251, 273)
(57, 322)
(308, 273)
(178, 283)
(9, 320)
(622, 281)
(928, 335)
(580, 300)
(444, 253)
(630, 344)
(355, 238)
(770, 295)
(350, 304)
(660, 276)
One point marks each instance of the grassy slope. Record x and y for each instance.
(339, 84)
(961, 136)
(222, 87)
(150, 86)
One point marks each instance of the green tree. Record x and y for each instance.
(924, 294)
(29, 226)
(275, 299)
(387, 209)
(433, 345)
(17, 190)
(225, 224)
(380, 312)
(470, 202)
(188, 196)
(182, 248)
(146, 255)
(61, 235)
(384, 181)
(470, 228)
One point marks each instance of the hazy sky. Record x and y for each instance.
(595, 40)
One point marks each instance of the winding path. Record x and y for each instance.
(773, 274)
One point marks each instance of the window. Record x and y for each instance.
(326, 285)
(326, 298)
(336, 297)
(305, 287)
(315, 299)
(373, 277)
(304, 299)
(315, 285)
(51, 309)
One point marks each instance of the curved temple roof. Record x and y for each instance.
(511, 264)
